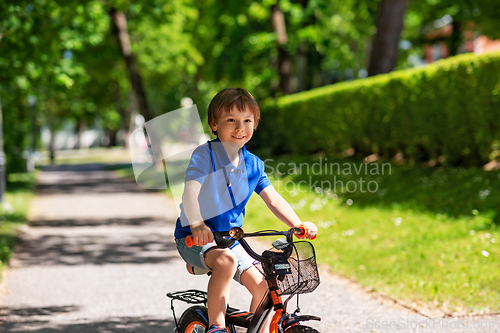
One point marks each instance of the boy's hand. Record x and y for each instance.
(201, 234)
(312, 230)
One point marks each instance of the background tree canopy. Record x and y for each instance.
(63, 60)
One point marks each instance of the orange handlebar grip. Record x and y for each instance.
(189, 241)
(303, 233)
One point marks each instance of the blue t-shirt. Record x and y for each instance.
(225, 188)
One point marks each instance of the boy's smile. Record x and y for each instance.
(235, 126)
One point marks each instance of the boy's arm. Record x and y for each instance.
(282, 209)
(201, 233)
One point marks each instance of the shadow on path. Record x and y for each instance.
(84, 179)
(108, 325)
(108, 230)
(93, 222)
(33, 311)
(99, 249)
(102, 243)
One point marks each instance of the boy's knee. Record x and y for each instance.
(226, 260)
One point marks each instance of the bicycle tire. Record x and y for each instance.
(193, 320)
(301, 329)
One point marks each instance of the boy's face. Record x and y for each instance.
(235, 126)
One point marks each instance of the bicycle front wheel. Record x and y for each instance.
(301, 329)
(193, 320)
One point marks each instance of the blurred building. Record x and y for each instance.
(441, 31)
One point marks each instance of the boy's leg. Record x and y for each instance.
(254, 281)
(223, 264)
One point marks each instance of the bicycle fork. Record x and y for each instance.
(281, 319)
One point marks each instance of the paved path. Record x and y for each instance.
(99, 256)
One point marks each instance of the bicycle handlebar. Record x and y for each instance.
(227, 238)
(223, 239)
(303, 233)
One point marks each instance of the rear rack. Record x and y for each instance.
(191, 296)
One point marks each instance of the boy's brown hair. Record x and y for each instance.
(228, 98)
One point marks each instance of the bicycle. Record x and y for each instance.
(289, 268)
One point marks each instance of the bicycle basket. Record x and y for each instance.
(301, 277)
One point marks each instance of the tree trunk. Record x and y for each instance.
(284, 61)
(52, 149)
(78, 141)
(119, 21)
(124, 115)
(301, 66)
(385, 45)
(456, 37)
(132, 111)
(82, 127)
(112, 137)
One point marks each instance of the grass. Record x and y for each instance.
(111, 155)
(14, 211)
(122, 170)
(427, 236)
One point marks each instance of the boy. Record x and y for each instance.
(220, 178)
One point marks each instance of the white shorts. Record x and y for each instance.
(195, 256)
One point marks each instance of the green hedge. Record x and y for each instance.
(450, 108)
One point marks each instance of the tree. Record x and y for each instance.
(284, 61)
(120, 31)
(38, 44)
(385, 45)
